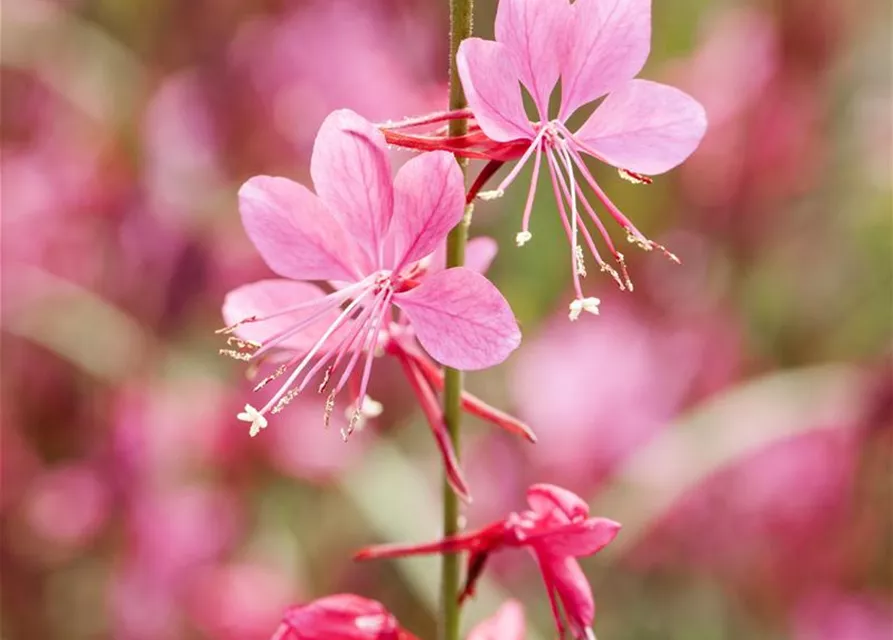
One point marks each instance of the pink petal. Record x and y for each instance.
(609, 43)
(506, 624)
(429, 200)
(535, 32)
(461, 319)
(569, 582)
(479, 253)
(352, 174)
(294, 231)
(546, 498)
(580, 538)
(265, 297)
(645, 127)
(490, 79)
(339, 617)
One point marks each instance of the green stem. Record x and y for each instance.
(460, 28)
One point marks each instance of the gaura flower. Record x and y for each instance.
(350, 617)
(372, 238)
(340, 617)
(556, 529)
(595, 48)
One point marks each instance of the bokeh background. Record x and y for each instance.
(735, 412)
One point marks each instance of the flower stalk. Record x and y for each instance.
(461, 23)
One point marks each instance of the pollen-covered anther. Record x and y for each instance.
(263, 383)
(633, 177)
(606, 268)
(579, 261)
(284, 400)
(622, 262)
(236, 355)
(491, 195)
(255, 417)
(330, 407)
(235, 326)
(523, 238)
(247, 345)
(369, 408)
(352, 425)
(579, 305)
(325, 380)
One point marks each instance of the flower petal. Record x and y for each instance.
(352, 174)
(490, 79)
(429, 200)
(479, 254)
(461, 319)
(506, 624)
(580, 538)
(343, 617)
(645, 127)
(535, 32)
(607, 46)
(546, 498)
(569, 582)
(294, 231)
(267, 297)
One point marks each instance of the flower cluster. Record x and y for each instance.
(376, 244)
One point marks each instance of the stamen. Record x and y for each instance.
(603, 266)
(635, 178)
(367, 369)
(236, 355)
(255, 417)
(534, 145)
(235, 326)
(263, 383)
(490, 195)
(330, 407)
(553, 174)
(249, 345)
(581, 265)
(579, 305)
(522, 238)
(325, 380)
(644, 243)
(282, 398)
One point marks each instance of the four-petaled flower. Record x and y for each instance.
(556, 530)
(595, 48)
(340, 617)
(369, 236)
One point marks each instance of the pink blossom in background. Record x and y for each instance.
(506, 624)
(340, 617)
(171, 534)
(599, 392)
(595, 48)
(829, 615)
(777, 516)
(239, 601)
(556, 530)
(68, 505)
(765, 141)
(56, 185)
(366, 233)
(182, 148)
(375, 58)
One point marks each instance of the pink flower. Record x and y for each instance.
(340, 617)
(556, 530)
(506, 624)
(366, 234)
(595, 47)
